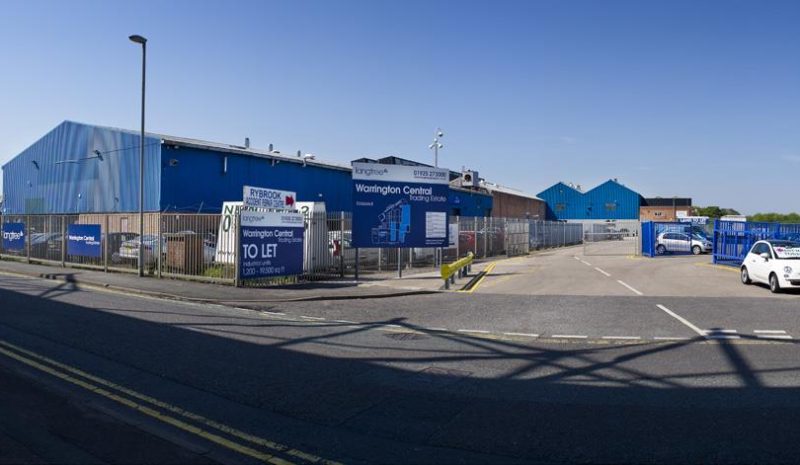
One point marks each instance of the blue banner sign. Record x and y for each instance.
(271, 244)
(14, 236)
(83, 240)
(400, 206)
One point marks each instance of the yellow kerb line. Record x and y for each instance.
(171, 408)
(486, 272)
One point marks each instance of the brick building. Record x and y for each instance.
(665, 209)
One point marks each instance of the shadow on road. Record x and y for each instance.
(389, 380)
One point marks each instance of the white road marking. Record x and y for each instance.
(479, 331)
(629, 287)
(315, 318)
(621, 337)
(268, 313)
(568, 336)
(586, 263)
(682, 320)
(670, 338)
(769, 331)
(346, 321)
(522, 334)
(437, 329)
(722, 334)
(577, 258)
(774, 336)
(598, 269)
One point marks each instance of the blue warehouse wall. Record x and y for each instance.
(608, 201)
(49, 177)
(197, 182)
(465, 203)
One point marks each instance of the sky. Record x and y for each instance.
(674, 98)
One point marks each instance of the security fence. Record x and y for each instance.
(734, 239)
(203, 246)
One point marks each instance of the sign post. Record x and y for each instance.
(13, 237)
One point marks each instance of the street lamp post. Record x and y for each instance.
(141, 40)
(435, 146)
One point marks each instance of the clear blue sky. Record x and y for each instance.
(692, 98)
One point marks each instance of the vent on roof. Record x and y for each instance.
(247, 142)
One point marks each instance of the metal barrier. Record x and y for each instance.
(459, 267)
(734, 239)
(671, 238)
(202, 246)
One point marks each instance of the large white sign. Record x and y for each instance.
(259, 197)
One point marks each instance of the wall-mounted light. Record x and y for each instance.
(35, 163)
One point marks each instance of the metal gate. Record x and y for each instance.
(611, 238)
(663, 239)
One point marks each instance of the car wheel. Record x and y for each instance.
(774, 285)
(696, 250)
(660, 249)
(745, 276)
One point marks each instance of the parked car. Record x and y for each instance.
(670, 242)
(773, 262)
(129, 250)
(115, 242)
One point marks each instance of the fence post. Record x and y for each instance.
(341, 245)
(160, 242)
(237, 253)
(485, 237)
(63, 241)
(458, 227)
(105, 243)
(28, 236)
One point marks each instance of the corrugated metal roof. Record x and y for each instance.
(491, 187)
(222, 147)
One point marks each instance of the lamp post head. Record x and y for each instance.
(138, 39)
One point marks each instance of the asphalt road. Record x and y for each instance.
(383, 385)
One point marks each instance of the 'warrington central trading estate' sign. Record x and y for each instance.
(399, 206)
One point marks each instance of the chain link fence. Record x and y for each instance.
(202, 246)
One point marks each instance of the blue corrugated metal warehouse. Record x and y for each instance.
(608, 201)
(81, 168)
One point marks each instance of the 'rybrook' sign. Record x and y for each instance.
(273, 199)
(271, 244)
(14, 236)
(83, 240)
(399, 206)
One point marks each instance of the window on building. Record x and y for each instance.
(560, 207)
(658, 214)
(611, 206)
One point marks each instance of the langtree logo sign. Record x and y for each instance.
(14, 236)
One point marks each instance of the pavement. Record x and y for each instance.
(176, 289)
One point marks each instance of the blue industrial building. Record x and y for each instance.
(80, 168)
(608, 201)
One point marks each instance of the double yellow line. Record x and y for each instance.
(489, 269)
(174, 416)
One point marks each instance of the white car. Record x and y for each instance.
(773, 262)
(679, 242)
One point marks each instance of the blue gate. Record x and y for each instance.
(733, 239)
(660, 239)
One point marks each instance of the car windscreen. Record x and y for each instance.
(786, 250)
